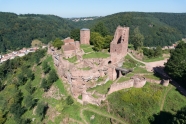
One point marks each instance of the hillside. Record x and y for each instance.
(17, 31)
(158, 28)
(26, 97)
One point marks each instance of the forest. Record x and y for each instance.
(158, 29)
(18, 31)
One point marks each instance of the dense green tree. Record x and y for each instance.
(52, 77)
(150, 53)
(44, 84)
(22, 78)
(57, 43)
(29, 87)
(29, 74)
(75, 34)
(158, 51)
(22, 29)
(29, 102)
(97, 40)
(176, 65)
(107, 40)
(17, 110)
(137, 39)
(69, 100)
(2, 117)
(180, 117)
(41, 109)
(101, 29)
(45, 67)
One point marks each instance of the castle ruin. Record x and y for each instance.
(84, 74)
(70, 48)
(85, 36)
(119, 45)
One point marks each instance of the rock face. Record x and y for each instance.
(119, 45)
(85, 36)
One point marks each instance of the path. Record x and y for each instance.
(102, 114)
(164, 97)
(150, 65)
(82, 117)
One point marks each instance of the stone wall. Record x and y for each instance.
(88, 98)
(135, 81)
(119, 45)
(85, 36)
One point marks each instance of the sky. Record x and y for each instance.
(86, 8)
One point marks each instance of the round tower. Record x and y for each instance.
(85, 36)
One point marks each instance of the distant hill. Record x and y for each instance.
(17, 31)
(158, 28)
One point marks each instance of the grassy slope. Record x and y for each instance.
(90, 53)
(134, 105)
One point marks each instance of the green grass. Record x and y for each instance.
(131, 63)
(50, 61)
(137, 104)
(88, 49)
(122, 79)
(72, 111)
(151, 76)
(72, 59)
(174, 101)
(84, 46)
(153, 59)
(140, 70)
(59, 84)
(103, 89)
(98, 119)
(96, 55)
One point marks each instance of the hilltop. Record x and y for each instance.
(17, 31)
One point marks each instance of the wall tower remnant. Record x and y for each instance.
(85, 36)
(119, 45)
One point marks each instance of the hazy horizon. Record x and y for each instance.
(82, 8)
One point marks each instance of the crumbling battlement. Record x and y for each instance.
(119, 45)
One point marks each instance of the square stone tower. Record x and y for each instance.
(119, 45)
(85, 36)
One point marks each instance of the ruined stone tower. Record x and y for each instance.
(85, 36)
(119, 45)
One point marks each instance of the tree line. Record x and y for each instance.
(17, 31)
(158, 29)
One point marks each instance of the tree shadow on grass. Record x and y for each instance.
(160, 118)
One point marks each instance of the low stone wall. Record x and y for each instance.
(88, 98)
(119, 86)
(136, 82)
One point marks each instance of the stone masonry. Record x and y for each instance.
(70, 48)
(85, 36)
(119, 45)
